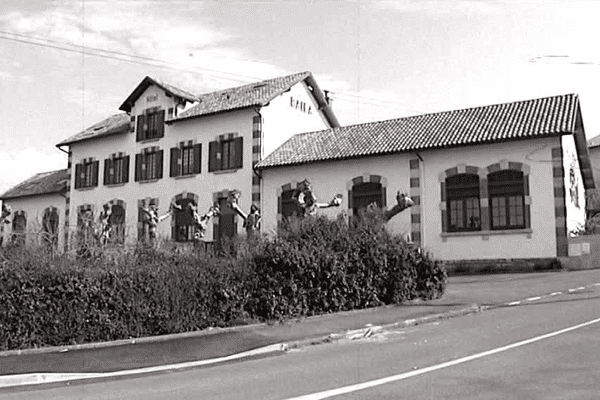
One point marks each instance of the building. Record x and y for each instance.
(38, 209)
(490, 184)
(169, 146)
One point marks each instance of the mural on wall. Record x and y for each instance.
(307, 201)
(574, 189)
(251, 220)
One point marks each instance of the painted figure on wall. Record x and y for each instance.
(307, 201)
(200, 221)
(105, 227)
(6, 211)
(403, 202)
(151, 219)
(251, 220)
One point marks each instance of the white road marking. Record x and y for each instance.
(581, 288)
(382, 381)
(555, 293)
(514, 303)
(533, 298)
(597, 284)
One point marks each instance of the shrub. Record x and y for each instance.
(313, 266)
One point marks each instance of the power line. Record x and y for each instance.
(154, 62)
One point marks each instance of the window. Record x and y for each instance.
(507, 199)
(225, 154)
(227, 227)
(50, 227)
(116, 221)
(185, 160)
(151, 124)
(19, 226)
(116, 170)
(85, 224)
(462, 203)
(289, 206)
(185, 226)
(365, 194)
(149, 165)
(86, 174)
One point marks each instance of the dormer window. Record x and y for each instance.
(150, 124)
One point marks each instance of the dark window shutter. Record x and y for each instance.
(140, 134)
(78, 176)
(213, 149)
(159, 164)
(161, 123)
(125, 169)
(174, 170)
(138, 167)
(107, 177)
(238, 145)
(132, 123)
(95, 165)
(197, 158)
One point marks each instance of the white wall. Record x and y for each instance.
(329, 178)
(203, 130)
(34, 207)
(292, 112)
(541, 242)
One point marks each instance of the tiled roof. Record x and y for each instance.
(148, 81)
(488, 124)
(593, 142)
(115, 124)
(42, 183)
(254, 94)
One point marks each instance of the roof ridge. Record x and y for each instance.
(255, 83)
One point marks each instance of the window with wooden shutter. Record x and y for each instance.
(213, 154)
(159, 164)
(238, 145)
(78, 169)
(95, 168)
(140, 129)
(138, 167)
(125, 169)
(197, 158)
(108, 169)
(174, 162)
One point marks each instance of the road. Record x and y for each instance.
(421, 362)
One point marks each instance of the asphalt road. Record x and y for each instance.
(563, 366)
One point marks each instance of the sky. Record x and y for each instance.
(68, 65)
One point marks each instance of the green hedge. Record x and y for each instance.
(312, 267)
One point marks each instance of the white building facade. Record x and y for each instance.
(172, 147)
(503, 182)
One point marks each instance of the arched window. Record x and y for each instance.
(85, 223)
(289, 206)
(227, 226)
(364, 194)
(50, 226)
(117, 223)
(507, 199)
(19, 226)
(184, 221)
(462, 203)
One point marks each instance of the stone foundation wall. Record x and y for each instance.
(502, 265)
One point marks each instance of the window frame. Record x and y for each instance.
(86, 174)
(116, 170)
(462, 193)
(150, 124)
(152, 156)
(183, 233)
(378, 196)
(226, 154)
(505, 190)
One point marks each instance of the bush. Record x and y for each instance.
(314, 266)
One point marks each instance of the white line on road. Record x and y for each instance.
(514, 303)
(581, 288)
(533, 298)
(382, 381)
(597, 284)
(555, 293)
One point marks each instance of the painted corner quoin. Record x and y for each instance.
(562, 244)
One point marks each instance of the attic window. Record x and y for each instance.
(257, 86)
(98, 128)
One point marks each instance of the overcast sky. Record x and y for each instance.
(68, 65)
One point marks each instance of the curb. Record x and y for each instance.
(363, 333)
(8, 381)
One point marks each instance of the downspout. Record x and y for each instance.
(421, 196)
